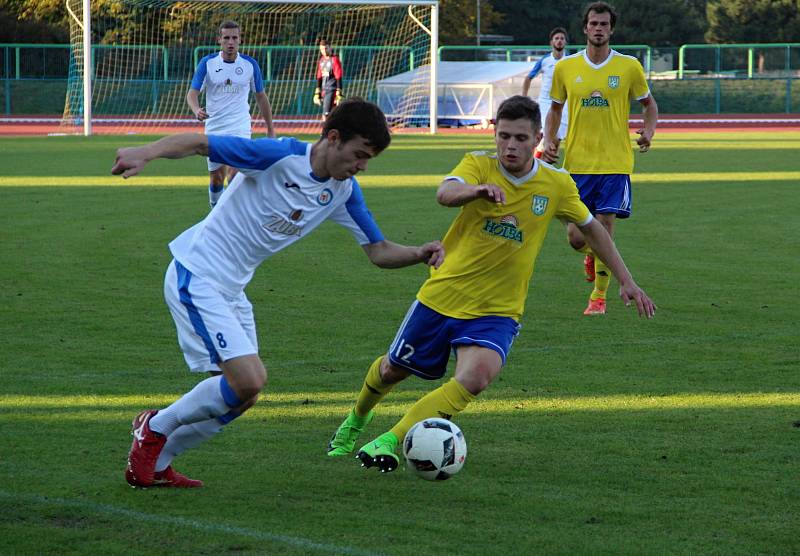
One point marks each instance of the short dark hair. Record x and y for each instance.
(519, 107)
(558, 30)
(600, 8)
(355, 116)
(229, 24)
(324, 42)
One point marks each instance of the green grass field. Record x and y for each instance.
(613, 435)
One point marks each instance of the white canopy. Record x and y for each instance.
(468, 92)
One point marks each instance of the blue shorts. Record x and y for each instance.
(605, 193)
(423, 343)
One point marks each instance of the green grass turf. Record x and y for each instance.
(609, 435)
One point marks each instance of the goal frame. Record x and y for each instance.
(433, 32)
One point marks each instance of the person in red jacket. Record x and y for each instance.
(329, 79)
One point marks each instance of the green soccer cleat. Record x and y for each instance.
(344, 439)
(381, 452)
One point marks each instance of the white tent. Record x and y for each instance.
(468, 92)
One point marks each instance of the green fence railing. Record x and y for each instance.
(154, 67)
(523, 53)
(742, 65)
(19, 57)
(691, 79)
(343, 52)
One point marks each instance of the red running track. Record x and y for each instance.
(42, 126)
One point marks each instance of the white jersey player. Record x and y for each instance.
(284, 190)
(227, 77)
(545, 65)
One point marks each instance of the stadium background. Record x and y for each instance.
(725, 64)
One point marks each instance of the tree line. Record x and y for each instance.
(652, 22)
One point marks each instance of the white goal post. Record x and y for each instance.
(131, 60)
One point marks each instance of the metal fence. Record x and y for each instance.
(691, 79)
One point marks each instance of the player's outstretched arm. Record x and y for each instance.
(388, 254)
(453, 193)
(131, 160)
(603, 246)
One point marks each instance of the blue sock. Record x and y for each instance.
(214, 192)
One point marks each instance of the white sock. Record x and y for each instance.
(211, 398)
(185, 438)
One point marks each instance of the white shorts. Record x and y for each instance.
(544, 106)
(212, 327)
(217, 165)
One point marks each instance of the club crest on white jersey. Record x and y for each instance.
(273, 201)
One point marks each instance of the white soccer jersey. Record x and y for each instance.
(273, 201)
(227, 86)
(545, 65)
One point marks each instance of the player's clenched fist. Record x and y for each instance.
(201, 115)
(129, 161)
(550, 151)
(432, 253)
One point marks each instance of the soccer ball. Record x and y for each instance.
(435, 449)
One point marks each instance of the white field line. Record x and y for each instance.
(205, 526)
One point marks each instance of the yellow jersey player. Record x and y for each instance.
(598, 85)
(472, 304)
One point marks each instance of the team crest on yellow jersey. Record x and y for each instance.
(539, 205)
(506, 228)
(613, 81)
(595, 100)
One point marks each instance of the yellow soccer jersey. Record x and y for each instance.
(491, 249)
(599, 101)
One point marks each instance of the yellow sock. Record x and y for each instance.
(602, 277)
(373, 390)
(586, 250)
(447, 401)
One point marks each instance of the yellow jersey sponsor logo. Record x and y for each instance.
(506, 228)
(595, 100)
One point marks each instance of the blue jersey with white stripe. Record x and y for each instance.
(273, 201)
(227, 86)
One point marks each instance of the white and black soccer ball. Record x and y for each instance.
(435, 449)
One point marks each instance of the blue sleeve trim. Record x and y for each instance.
(358, 211)
(200, 73)
(252, 154)
(537, 68)
(297, 147)
(258, 78)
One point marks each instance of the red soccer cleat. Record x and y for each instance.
(596, 307)
(170, 478)
(144, 451)
(588, 267)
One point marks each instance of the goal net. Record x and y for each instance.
(144, 53)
